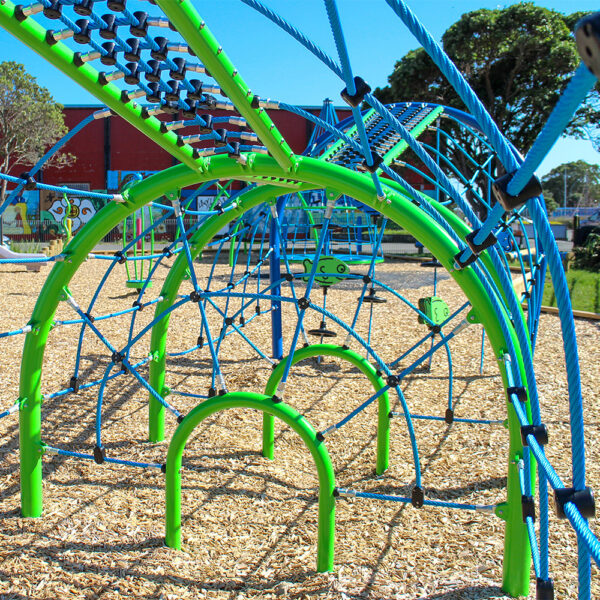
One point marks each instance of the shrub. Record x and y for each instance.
(588, 256)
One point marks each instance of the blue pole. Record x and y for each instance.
(275, 277)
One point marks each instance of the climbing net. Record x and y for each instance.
(123, 57)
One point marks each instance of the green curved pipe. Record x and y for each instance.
(309, 173)
(383, 412)
(326, 525)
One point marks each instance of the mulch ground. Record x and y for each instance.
(249, 523)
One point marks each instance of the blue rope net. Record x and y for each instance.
(307, 227)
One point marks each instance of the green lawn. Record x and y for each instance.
(584, 287)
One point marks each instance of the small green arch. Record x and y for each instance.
(326, 524)
(383, 412)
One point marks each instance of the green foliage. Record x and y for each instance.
(588, 256)
(30, 120)
(518, 60)
(583, 184)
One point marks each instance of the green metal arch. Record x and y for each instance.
(360, 362)
(305, 173)
(326, 525)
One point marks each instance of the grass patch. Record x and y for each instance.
(584, 288)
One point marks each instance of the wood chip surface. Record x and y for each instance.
(249, 526)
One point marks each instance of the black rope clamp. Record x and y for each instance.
(460, 264)
(212, 392)
(117, 357)
(449, 416)
(587, 38)
(74, 383)
(89, 317)
(519, 391)
(417, 498)
(362, 89)
(229, 321)
(180, 418)
(116, 5)
(163, 468)
(195, 296)
(377, 160)
(539, 432)
(200, 341)
(276, 399)
(532, 189)
(544, 589)
(582, 499)
(528, 507)
(167, 252)
(31, 183)
(99, 455)
(490, 240)
(255, 102)
(141, 29)
(85, 8)
(392, 381)
(303, 303)
(137, 304)
(120, 257)
(54, 11)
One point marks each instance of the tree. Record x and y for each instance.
(579, 179)
(30, 121)
(518, 60)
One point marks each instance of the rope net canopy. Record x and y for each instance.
(160, 68)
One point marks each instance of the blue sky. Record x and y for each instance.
(276, 66)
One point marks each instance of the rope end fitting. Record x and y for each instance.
(509, 202)
(587, 39)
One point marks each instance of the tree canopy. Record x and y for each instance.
(582, 185)
(30, 120)
(518, 60)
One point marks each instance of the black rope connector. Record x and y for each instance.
(336, 493)
(289, 277)
(303, 303)
(229, 321)
(219, 208)
(120, 257)
(528, 507)
(255, 103)
(320, 436)
(85, 8)
(460, 264)
(200, 341)
(257, 308)
(417, 498)
(435, 328)
(195, 296)
(54, 10)
(99, 455)
(449, 416)
(242, 321)
(117, 357)
(519, 391)
(544, 589)
(366, 279)
(377, 160)
(74, 383)
(18, 14)
(392, 381)
(490, 240)
(137, 304)
(230, 285)
(222, 392)
(532, 189)
(180, 418)
(345, 347)
(141, 29)
(167, 252)
(276, 399)
(362, 89)
(89, 317)
(116, 5)
(582, 499)
(587, 38)
(212, 392)
(163, 468)
(539, 432)
(30, 181)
